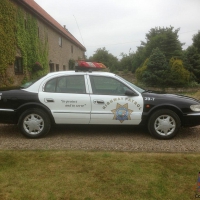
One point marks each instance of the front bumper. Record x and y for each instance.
(192, 119)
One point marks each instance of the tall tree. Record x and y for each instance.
(138, 58)
(155, 69)
(179, 76)
(196, 41)
(166, 39)
(126, 61)
(192, 62)
(103, 56)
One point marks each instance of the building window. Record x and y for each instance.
(51, 65)
(18, 65)
(57, 67)
(64, 67)
(38, 32)
(60, 41)
(72, 49)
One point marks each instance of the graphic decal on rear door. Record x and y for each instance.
(122, 113)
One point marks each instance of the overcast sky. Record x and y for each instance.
(121, 25)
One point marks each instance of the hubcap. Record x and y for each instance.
(33, 124)
(165, 125)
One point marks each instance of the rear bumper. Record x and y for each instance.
(8, 116)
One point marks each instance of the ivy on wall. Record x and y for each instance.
(34, 51)
(7, 32)
(19, 29)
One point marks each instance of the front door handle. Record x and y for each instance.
(98, 101)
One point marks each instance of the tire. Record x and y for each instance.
(164, 124)
(34, 123)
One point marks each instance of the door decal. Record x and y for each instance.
(122, 113)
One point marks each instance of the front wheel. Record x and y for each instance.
(34, 123)
(164, 124)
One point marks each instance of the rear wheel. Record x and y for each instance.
(34, 123)
(164, 124)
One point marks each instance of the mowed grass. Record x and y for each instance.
(97, 175)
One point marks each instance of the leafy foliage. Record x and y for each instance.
(154, 70)
(138, 58)
(140, 71)
(179, 76)
(166, 39)
(32, 48)
(102, 55)
(71, 64)
(157, 72)
(192, 62)
(19, 30)
(7, 32)
(196, 41)
(125, 62)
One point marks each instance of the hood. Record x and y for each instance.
(174, 97)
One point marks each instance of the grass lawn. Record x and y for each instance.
(27, 175)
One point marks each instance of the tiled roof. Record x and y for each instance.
(40, 12)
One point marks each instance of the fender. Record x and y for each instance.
(147, 112)
(26, 106)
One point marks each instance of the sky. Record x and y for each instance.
(121, 25)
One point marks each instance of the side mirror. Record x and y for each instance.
(130, 93)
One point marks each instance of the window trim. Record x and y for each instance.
(57, 78)
(93, 90)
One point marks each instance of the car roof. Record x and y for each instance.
(79, 72)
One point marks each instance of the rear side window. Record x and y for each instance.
(66, 84)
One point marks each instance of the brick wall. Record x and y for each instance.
(59, 54)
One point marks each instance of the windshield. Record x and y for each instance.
(132, 85)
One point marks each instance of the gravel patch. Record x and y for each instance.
(109, 138)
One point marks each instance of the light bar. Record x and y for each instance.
(83, 65)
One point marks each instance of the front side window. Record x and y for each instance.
(66, 84)
(107, 86)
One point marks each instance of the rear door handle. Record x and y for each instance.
(48, 100)
(98, 101)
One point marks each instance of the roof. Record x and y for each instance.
(41, 13)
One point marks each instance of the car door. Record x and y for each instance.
(109, 103)
(67, 99)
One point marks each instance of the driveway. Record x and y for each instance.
(108, 138)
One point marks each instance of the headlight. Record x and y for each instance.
(195, 107)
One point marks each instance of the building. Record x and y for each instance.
(62, 45)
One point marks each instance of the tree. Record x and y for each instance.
(192, 62)
(126, 62)
(154, 70)
(196, 41)
(138, 58)
(166, 39)
(103, 56)
(179, 76)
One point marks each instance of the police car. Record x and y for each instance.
(85, 97)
